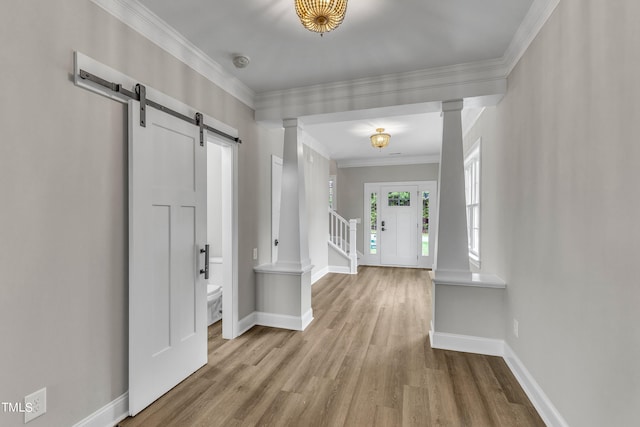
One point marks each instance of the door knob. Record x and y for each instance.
(275, 242)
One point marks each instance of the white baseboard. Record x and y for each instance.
(295, 323)
(494, 347)
(319, 275)
(109, 415)
(339, 269)
(246, 323)
(534, 392)
(467, 344)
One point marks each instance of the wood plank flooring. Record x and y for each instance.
(364, 361)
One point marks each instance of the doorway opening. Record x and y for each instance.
(222, 304)
(399, 223)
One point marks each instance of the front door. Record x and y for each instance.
(398, 222)
(167, 230)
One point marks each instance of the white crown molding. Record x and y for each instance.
(472, 80)
(387, 161)
(145, 22)
(476, 79)
(539, 12)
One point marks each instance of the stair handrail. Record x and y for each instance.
(342, 235)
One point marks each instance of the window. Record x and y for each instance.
(373, 232)
(425, 223)
(399, 198)
(332, 192)
(472, 193)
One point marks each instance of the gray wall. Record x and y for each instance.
(560, 209)
(316, 178)
(350, 188)
(63, 186)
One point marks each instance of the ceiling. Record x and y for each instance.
(377, 37)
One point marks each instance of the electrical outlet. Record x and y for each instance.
(255, 253)
(35, 404)
(515, 328)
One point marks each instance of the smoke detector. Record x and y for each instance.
(241, 61)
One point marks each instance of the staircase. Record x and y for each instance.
(342, 239)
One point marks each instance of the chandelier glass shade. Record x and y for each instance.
(321, 16)
(380, 139)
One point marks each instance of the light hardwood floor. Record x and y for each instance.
(364, 361)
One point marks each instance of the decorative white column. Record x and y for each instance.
(293, 246)
(283, 289)
(468, 308)
(452, 252)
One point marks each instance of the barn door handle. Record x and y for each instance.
(205, 271)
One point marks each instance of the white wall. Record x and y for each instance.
(350, 188)
(560, 210)
(63, 186)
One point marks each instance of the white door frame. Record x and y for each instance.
(374, 187)
(229, 182)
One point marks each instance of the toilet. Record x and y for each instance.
(214, 291)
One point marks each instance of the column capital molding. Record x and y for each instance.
(292, 123)
(452, 105)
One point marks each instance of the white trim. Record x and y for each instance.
(538, 14)
(478, 280)
(495, 347)
(547, 411)
(340, 269)
(388, 161)
(150, 26)
(283, 321)
(246, 323)
(482, 82)
(466, 343)
(475, 79)
(110, 414)
(319, 275)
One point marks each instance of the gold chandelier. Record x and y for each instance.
(380, 139)
(321, 16)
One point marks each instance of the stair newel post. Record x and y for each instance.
(353, 246)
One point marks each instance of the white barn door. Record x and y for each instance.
(167, 230)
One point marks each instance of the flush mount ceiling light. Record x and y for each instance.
(380, 139)
(321, 16)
